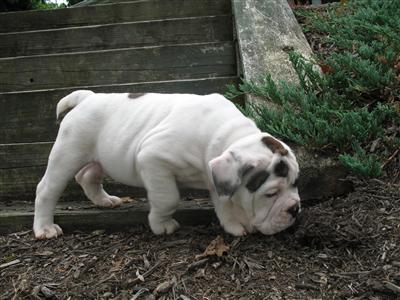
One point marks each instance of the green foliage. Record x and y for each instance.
(361, 163)
(17, 5)
(351, 102)
(72, 2)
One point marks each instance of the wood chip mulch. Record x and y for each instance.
(343, 248)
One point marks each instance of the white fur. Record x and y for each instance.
(160, 142)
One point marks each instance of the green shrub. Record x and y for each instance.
(353, 102)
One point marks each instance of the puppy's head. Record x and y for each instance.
(259, 174)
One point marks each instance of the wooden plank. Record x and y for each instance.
(20, 184)
(23, 165)
(114, 36)
(98, 2)
(321, 178)
(117, 66)
(83, 216)
(27, 117)
(111, 13)
(24, 155)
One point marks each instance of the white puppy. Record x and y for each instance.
(165, 141)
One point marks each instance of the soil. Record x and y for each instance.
(343, 248)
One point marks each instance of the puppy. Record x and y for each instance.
(165, 141)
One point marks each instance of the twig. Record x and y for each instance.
(139, 293)
(20, 233)
(394, 288)
(146, 274)
(11, 263)
(106, 279)
(306, 286)
(313, 6)
(390, 158)
(197, 264)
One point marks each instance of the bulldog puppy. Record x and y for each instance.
(165, 141)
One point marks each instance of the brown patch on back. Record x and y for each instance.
(274, 145)
(135, 95)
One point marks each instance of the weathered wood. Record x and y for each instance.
(266, 29)
(24, 155)
(114, 36)
(111, 13)
(117, 66)
(83, 216)
(23, 165)
(321, 178)
(20, 184)
(27, 117)
(97, 2)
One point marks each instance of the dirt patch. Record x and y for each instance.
(339, 249)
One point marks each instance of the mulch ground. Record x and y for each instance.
(343, 248)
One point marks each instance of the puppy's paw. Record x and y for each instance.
(235, 229)
(48, 232)
(166, 227)
(109, 201)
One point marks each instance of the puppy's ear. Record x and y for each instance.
(227, 171)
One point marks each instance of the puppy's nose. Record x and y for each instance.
(294, 210)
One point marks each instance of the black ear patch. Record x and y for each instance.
(245, 170)
(281, 169)
(224, 188)
(274, 145)
(257, 180)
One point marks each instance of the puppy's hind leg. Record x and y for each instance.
(61, 167)
(90, 178)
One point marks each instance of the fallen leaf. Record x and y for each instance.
(216, 247)
(127, 200)
(326, 69)
(117, 266)
(382, 59)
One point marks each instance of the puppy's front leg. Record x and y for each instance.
(163, 195)
(226, 216)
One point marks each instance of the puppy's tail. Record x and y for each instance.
(70, 101)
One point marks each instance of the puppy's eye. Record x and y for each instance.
(273, 194)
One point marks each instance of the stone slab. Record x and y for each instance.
(265, 30)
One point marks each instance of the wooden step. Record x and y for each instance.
(114, 36)
(106, 67)
(23, 165)
(84, 216)
(30, 116)
(111, 13)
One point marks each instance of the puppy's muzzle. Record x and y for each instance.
(294, 210)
